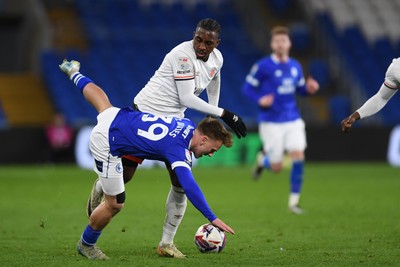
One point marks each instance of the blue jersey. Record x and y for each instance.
(151, 137)
(166, 139)
(283, 80)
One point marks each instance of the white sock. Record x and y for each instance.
(294, 199)
(98, 187)
(176, 207)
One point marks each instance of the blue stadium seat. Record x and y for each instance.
(131, 40)
(339, 108)
(300, 36)
(319, 70)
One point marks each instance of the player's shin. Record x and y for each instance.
(176, 207)
(90, 236)
(296, 182)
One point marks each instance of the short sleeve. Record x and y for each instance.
(182, 66)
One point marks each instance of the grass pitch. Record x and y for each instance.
(352, 217)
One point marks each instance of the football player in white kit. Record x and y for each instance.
(272, 84)
(379, 100)
(186, 71)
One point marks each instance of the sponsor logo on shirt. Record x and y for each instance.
(287, 87)
(184, 64)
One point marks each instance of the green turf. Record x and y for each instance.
(352, 218)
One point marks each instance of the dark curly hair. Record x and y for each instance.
(210, 25)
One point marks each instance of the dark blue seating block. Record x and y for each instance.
(339, 108)
(319, 70)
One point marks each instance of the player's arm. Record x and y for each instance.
(184, 79)
(251, 87)
(92, 93)
(213, 90)
(188, 99)
(196, 197)
(306, 86)
(370, 107)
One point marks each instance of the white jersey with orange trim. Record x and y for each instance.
(388, 89)
(180, 77)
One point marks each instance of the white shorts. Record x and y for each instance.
(392, 76)
(280, 137)
(108, 167)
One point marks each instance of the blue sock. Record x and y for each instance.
(90, 236)
(296, 176)
(266, 163)
(81, 81)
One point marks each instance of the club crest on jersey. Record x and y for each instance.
(213, 72)
(188, 159)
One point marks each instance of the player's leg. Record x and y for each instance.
(92, 93)
(109, 170)
(129, 164)
(99, 219)
(175, 206)
(113, 186)
(296, 144)
(270, 157)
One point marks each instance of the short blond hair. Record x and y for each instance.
(214, 129)
(280, 30)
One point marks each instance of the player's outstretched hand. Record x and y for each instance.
(235, 122)
(348, 122)
(223, 226)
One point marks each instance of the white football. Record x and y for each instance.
(209, 238)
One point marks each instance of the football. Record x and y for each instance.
(209, 238)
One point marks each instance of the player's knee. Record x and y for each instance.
(297, 155)
(116, 203)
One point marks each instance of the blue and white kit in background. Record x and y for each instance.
(280, 125)
(129, 132)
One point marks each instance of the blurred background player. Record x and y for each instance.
(379, 100)
(60, 138)
(272, 83)
(128, 131)
(186, 71)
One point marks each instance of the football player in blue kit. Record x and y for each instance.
(126, 131)
(272, 83)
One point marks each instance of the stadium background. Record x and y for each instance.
(345, 45)
(351, 207)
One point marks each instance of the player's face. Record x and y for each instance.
(280, 44)
(207, 147)
(204, 43)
